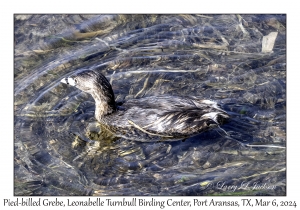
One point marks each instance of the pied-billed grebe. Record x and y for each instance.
(150, 118)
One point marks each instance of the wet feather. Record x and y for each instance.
(147, 118)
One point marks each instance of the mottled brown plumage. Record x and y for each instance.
(150, 118)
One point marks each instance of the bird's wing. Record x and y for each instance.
(168, 116)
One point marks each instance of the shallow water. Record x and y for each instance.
(217, 57)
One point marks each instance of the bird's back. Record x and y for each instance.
(168, 117)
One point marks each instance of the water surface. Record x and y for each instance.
(217, 57)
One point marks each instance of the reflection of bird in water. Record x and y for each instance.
(149, 118)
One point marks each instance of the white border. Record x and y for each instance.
(153, 6)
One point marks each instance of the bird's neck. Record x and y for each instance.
(105, 105)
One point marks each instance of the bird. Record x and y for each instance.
(152, 118)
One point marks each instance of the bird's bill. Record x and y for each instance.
(68, 81)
